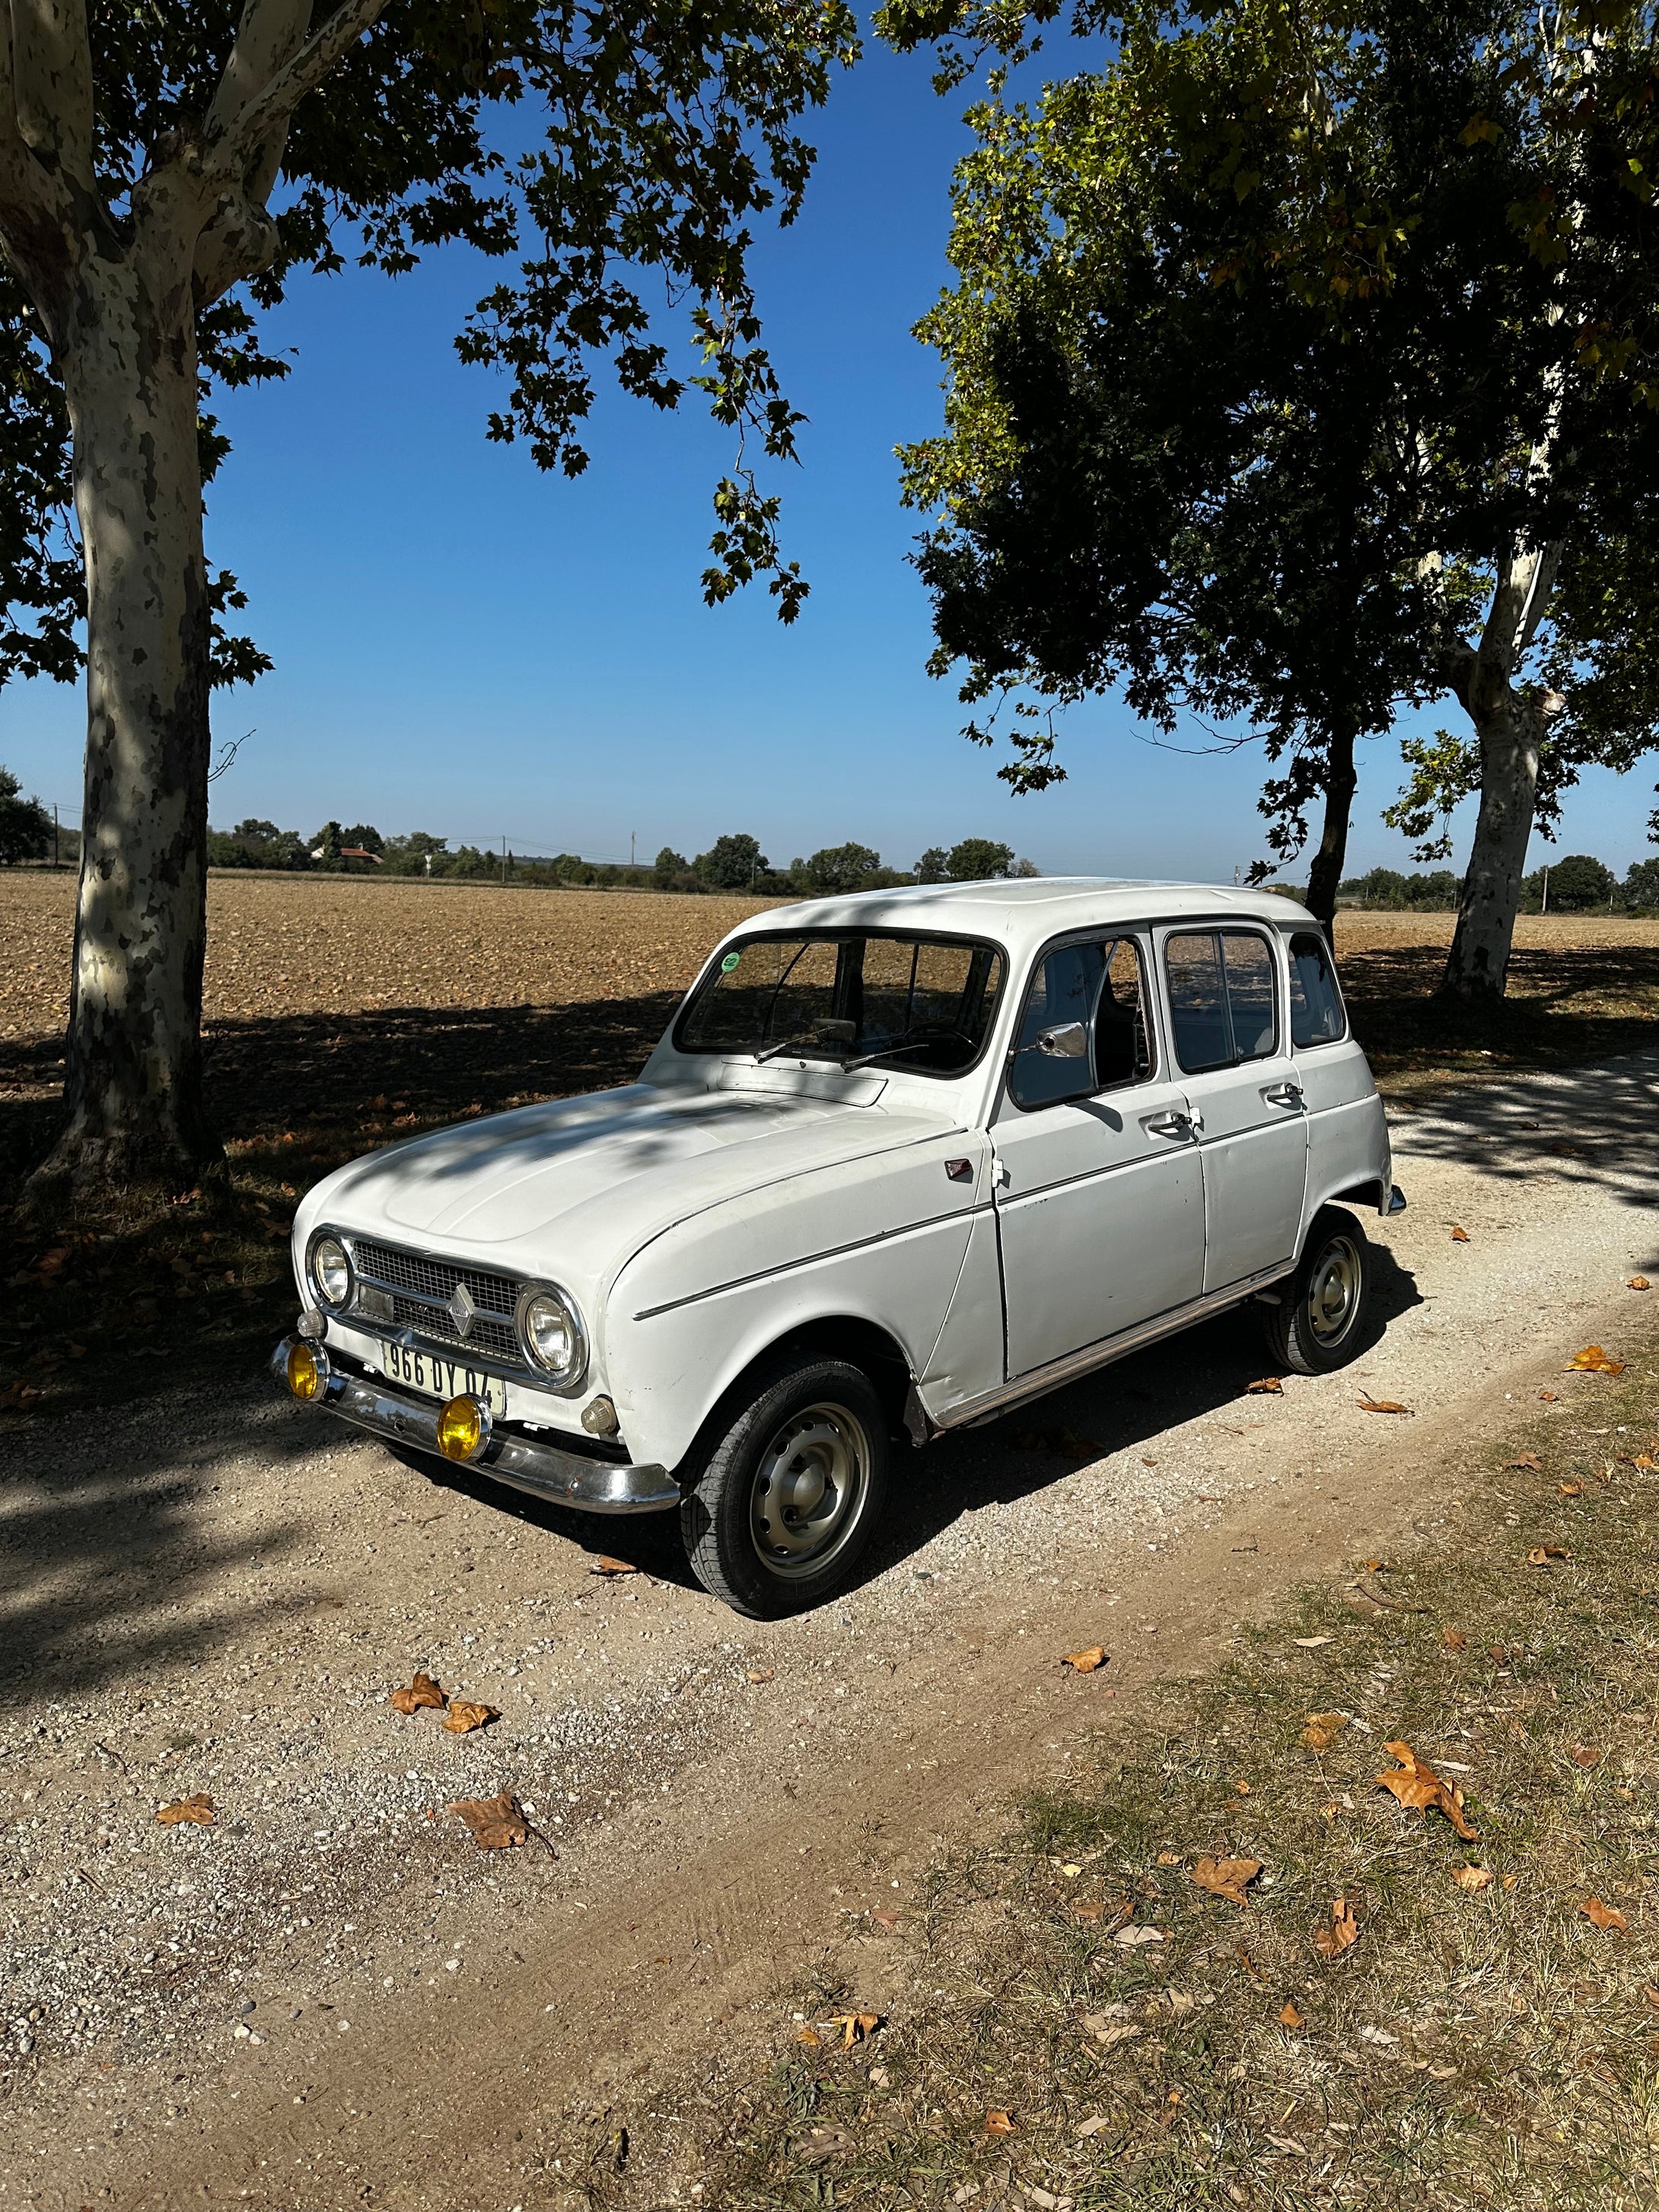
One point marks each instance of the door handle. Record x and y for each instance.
(1283, 1094)
(1168, 1125)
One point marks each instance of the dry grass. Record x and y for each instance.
(1487, 2047)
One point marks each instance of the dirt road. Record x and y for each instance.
(330, 1995)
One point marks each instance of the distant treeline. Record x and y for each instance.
(1576, 883)
(732, 863)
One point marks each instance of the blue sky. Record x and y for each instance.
(466, 646)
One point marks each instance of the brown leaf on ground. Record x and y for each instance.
(1270, 1386)
(1638, 1283)
(1367, 1404)
(1421, 1788)
(1459, 1236)
(1089, 1912)
(607, 1566)
(809, 2036)
(1453, 1638)
(1526, 1460)
(1571, 1489)
(1290, 2017)
(997, 2123)
(1312, 1642)
(1324, 1730)
(1474, 1878)
(496, 1823)
(1605, 1917)
(1650, 1992)
(762, 1674)
(1169, 1858)
(855, 2027)
(1542, 1554)
(820, 2143)
(423, 1691)
(1549, 1397)
(1370, 1597)
(198, 1809)
(1331, 1942)
(1228, 1878)
(884, 1916)
(1084, 1662)
(1586, 1754)
(1592, 1360)
(463, 1716)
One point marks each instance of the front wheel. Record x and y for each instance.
(1315, 1328)
(793, 1481)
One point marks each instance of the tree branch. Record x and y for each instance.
(270, 109)
(239, 236)
(52, 67)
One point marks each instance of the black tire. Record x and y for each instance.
(819, 1422)
(1318, 1324)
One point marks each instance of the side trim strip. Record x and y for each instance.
(1106, 1350)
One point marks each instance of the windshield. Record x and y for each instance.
(849, 996)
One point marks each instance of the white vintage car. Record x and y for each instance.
(902, 1161)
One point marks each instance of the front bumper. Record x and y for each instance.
(525, 1464)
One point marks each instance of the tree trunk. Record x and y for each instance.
(1477, 966)
(127, 355)
(1341, 781)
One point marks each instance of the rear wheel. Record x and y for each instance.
(1316, 1327)
(794, 1476)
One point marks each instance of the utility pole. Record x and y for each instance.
(54, 836)
(633, 838)
(503, 859)
(1545, 906)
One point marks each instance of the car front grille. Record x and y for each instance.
(420, 1289)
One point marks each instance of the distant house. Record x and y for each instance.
(350, 852)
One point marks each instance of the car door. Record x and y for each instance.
(1227, 1030)
(1100, 1198)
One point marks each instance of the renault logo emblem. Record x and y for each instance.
(461, 1310)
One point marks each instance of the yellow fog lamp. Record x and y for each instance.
(462, 1428)
(307, 1370)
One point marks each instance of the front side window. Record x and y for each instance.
(849, 997)
(1316, 1015)
(1097, 985)
(1223, 1005)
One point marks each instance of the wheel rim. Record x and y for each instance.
(1334, 1291)
(809, 1490)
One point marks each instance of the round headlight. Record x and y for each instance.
(330, 1271)
(551, 1335)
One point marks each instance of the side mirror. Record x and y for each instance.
(1067, 1041)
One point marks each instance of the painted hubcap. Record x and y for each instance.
(1333, 1291)
(809, 1490)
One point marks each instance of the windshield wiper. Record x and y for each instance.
(811, 1037)
(886, 1052)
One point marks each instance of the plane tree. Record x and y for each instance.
(166, 175)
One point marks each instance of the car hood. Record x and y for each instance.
(574, 1187)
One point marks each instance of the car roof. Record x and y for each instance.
(1031, 909)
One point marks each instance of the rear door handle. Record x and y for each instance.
(1283, 1094)
(1168, 1125)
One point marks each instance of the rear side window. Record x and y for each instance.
(1223, 1005)
(1316, 1015)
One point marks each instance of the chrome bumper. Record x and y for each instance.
(542, 1469)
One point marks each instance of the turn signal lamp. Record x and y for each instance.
(307, 1371)
(462, 1428)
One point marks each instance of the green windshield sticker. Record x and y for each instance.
(730, 963)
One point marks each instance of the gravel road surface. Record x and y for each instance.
(332, 1996)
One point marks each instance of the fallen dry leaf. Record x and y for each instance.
(1511, 1879)
(1474, 1878)
(1542, 1554)
(1638, 1283)
(1169, 1858)
(1290, 2017)
(1269, 1386)
(1586, 1754)
(1606, 1917)
(1312, 1642)
(1571, 1489)
(1228, 1878)
(1089, 1912)
(1084, 1662)
(1242, 1788)
(496, 1823)
(198, 1809)
(1459, 1236)
(1093, 2125)
(1421, 1788)
(423, 1691)
(820, 2143)
(1367, 1404)
(1528, 1459)
(997, 2123)
(1453, 1638)
(607, 1566)
(463, 1716)
(884, 1916)
(1550, 1397)
(1592, 1360)
(1651, 1994)
(1370, 1597)
(762, 1674)
(1344, 1930)
(855, 2027)
(1324, 1730)
(1129, 1938)
(809, 2036)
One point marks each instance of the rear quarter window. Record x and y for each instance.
(1317, 1015)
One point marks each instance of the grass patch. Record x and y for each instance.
(1483, 2045)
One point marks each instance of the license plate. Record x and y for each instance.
(438, 1376)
